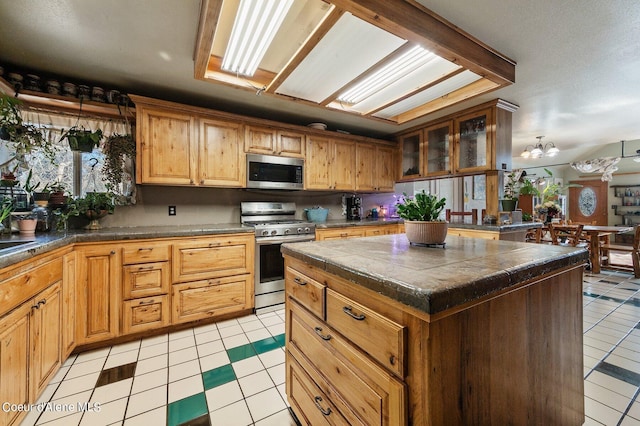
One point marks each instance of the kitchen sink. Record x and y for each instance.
(13, 244)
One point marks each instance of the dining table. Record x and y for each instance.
(598, 234)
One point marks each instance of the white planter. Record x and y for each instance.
(419, 232)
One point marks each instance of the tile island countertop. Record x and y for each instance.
(434, 279)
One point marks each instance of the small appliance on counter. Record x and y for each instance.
(354, 207)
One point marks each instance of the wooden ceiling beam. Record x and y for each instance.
(411, 21)
(209, 15)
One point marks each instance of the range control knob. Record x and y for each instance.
(300, 230)
(287, 231)
(265, 233)
(274, 232)
(307, 230)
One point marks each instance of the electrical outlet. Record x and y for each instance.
(172, 210)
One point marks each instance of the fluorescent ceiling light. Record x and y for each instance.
(391, 72)
(253, 30)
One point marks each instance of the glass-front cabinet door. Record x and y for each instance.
(410, 154)
(438, 148)
(473, 141)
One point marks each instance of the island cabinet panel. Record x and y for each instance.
(14, 362)
(513, 356)
(363, 392)
(359, 323)
(167, 143)
(98, 292)
(307, 291)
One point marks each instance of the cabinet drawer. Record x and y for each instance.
(307, 291)
(204, 299)
(147, 279)
(311, 405)
(145, 314)
(147, 252)
(359, 324)
(16, 290)
(203, 258)
(339, 233)
(375, 396)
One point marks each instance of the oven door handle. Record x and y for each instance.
(281, 240)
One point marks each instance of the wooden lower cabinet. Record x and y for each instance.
(147, 313)
(207, 298)
(98, 292)
(14, 361)
(68, 304)
(356, 231)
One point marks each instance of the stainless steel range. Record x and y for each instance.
(274, 224)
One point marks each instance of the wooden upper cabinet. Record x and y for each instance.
(330, 164)
(166, 147)
(474, 141)
(342, 170)
(318, 161)
(375, 167)
(438, 149)
(221, 154)
(272, 141)
(410, 146)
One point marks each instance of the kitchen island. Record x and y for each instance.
(480, 332)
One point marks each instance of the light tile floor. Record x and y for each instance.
(232, 372)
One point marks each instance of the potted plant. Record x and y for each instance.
(6, 207)
(27, 224)
(95, 206)
(525, 196)
(509, 201)
(422, 218)
(81, 139)
(57, 196)
(24, 138)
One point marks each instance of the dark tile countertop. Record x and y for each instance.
(435, 279)
(341, 223)
(44, 242)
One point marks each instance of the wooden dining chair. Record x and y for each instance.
(565, 234)
(634, 249)
(473, 214)
(533, 235)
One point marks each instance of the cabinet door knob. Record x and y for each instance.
(112, 252)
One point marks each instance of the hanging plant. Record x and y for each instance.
(116, 149)
(24, 138)
(81, 139)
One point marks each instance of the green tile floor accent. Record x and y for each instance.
(218, 376)
(241, 352)
(280, 339)
(186, 409)
(265, 345)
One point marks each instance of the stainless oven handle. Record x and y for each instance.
(281, 240)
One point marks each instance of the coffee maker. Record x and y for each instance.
(354, 207)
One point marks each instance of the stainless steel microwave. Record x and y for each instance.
(271, 172)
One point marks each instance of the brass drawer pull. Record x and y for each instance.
(145, 249)
(145, 268)
(347, 310)
(322, 336)
(317, 401)
(299, 281)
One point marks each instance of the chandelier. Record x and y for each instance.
(604, 165)
(539, 151)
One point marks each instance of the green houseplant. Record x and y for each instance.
(509, 201)
(6, 207)
(95, 206)
(421, 215)
(117, 149)
(81, 139)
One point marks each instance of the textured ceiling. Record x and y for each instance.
(577, 73)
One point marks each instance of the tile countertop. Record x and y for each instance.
(44, 242)
(434, 279)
